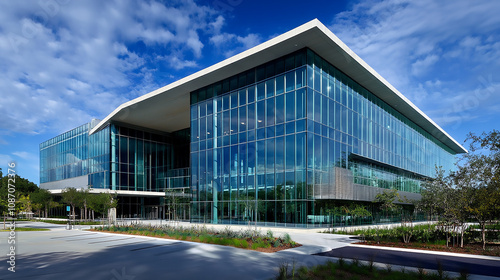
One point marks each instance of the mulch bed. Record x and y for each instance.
(264, 250)
(473, 249)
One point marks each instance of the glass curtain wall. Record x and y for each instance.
(248, 147)
(349, 127)
(99, 159)
(139, 159)
(65, 156)
(261, 141)
(75, 153)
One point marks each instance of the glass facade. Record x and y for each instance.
(75, 153)
(120, 158)
(262, 141)
(139, 159)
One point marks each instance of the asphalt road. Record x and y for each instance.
(419, 260)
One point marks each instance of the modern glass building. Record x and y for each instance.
(267, 136)
(133, 162)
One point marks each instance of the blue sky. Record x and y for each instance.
(58, 57)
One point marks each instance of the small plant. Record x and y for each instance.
(244, 244)
(302, 271)
(421, 272)
(388, 267)
(440, 270)
(287, 239)
(282, 271)
(277, 243)
(341, 262)
(370, 263)
(270, 234)
(464, 275)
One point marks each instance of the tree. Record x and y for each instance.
(461, 197)
(83, 202)
(432, 193)
(71, 197)
(440, 193)
(359, 211)
(108, 201)
(43, 198)
(172, 200)
(387, 200)
(23, 188)
(4, 206)
(472, 191)
(94, 204)
(480, 174)
(24, 205)
(476, 177)
(102, 202)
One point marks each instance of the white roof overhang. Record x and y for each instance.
(167, 108)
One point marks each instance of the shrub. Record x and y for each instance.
(226, 241)
(236, 242)
(244, 244)
(277, 242)
(287, 239)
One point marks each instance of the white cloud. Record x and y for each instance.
(433, 84)
(64, 64)
(231, 44)
(24, 155)
(176, 63)
(470, 42)
(4, 160)
(421, 66)
(391, 35)
(217, 24)
(436, 53)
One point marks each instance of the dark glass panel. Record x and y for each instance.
(280, 109)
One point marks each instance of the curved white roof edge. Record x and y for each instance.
(312, 34)
(228, 61)
(118, 192)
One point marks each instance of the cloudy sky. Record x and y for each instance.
(64, 62)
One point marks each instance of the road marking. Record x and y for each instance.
(88, 238)
(110, 240)
(153, 246)
(116, 245)
(72, 235)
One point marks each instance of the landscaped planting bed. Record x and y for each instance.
(428, 237)
(246, 239)
(474, 248)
